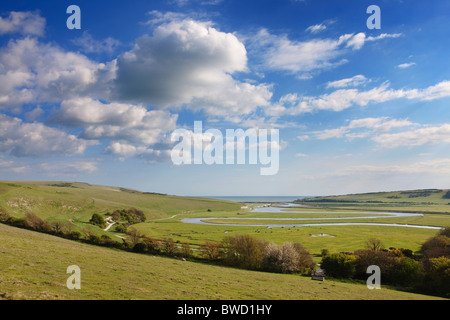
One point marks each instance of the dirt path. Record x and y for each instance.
(109, 223)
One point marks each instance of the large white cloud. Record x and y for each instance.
(32, 72)
(21, 139)
(187, 62)
(131, 129)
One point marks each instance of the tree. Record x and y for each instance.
(169, 247)
(406, 272)
(134, 236)
(186, 251)
(374, 244)
(210, 250)
(244, 251)
(98, 220)
(339, 265)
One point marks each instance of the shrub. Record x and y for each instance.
(34, 222)
(152, 244)
(75, 235)
(134, 236)
(169, 247)
(272, 255)
(291, 256)
(186, 251)
(339, 265)
(437, 279)
(4, 215)
(386, 261)
(445, 232)
(94, 239)
(244, 251)
(131, 216)
(140, 247)
(407, 272)
(210, 250)
(98, 220)
(438, 246)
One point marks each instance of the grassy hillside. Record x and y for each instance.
(33, 266)
(426, 201)
(76, 202)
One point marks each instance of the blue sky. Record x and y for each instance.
(357, 109)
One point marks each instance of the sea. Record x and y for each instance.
(257, 198)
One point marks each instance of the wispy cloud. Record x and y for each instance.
(27, 23)
(90, 45)
(304, 58)
(348, 82)
(293, 104)
(316, 28)
(406, 65)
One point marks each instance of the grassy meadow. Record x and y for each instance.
(32, 265)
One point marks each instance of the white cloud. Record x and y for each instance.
(435, 166)
(342, 99)
(68, 168)
(406, 65)
(440, 90)
(115, 121)
(22, 139)
(418, 137)
(378, 130)
(363, 128)
(26, 23)
(348, 82)
(305, 57)
(33, 72)
(316, 28)
(88, 44)
(301, 155)
(189, 63)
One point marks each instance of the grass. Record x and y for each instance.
(33, 266)
(427, 201)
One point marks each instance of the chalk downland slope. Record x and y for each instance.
(33, 266)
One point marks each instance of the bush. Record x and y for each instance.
(339, 265)
(4, 215)
(34, 222)
(287, 258)
(186, 251)
(210, 250)
(98, 220)
(407, 272)
(169, 247)
(75, 235)
(140, 247)
(435, 247)
(437, 278)
(152, 244)
(131, 216)
(244, 251)
(385, 260)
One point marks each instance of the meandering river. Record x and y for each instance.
(364, 215)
